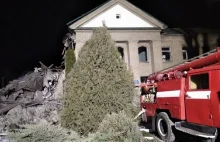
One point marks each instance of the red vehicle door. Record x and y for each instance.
(197, 99)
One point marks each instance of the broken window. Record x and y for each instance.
(142, 52)
(166, 54)
(199, 81)
(121, 51)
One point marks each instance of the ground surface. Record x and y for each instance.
(180, 137)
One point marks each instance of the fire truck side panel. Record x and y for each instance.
(169, 85)
(198, 111)
(168, 92)
(174, 111)
(169, 98)
(215, 98)
(198, 102)
(176, 106)
(150, 108)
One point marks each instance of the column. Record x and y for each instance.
(126, 54)
(177, 52)
(78, 47)
(134, 60)
(157, 55)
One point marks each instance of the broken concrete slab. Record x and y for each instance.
(17, 116)
(31, 98)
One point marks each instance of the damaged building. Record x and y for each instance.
(145, 43)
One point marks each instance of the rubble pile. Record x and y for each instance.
(31, 99)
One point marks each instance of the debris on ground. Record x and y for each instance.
(31, 98)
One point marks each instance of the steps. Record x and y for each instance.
(196, 130)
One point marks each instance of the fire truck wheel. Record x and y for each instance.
(164, 127)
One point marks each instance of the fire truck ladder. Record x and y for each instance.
(190, 60)
(210, 58)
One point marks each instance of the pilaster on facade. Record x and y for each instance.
(78, 47)
(157, 56)
(134, 62)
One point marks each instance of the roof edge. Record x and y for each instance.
(91, 28)
(145, 14)
(92, 13)
(85, 14)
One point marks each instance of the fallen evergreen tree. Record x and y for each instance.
(115, 127)
(43, 133)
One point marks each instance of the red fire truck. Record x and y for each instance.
(185, 97)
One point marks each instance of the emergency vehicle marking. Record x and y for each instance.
(166, 94)
(190, 95)
(198, 95)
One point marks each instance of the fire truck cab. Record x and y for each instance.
(185, 97)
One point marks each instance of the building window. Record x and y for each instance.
(142, 52)
(118, 16)
(166, 54)
(121, 51)
(185, 55)
(143, 79)
(199, 81)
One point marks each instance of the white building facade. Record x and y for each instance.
(145, 43)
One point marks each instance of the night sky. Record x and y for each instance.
(32, 30)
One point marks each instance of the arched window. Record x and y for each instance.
(121, 51)
(142, 52)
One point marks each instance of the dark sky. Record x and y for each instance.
(32, 30)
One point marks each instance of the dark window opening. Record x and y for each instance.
(143, 79)
(121, 51)
(166, 54)
(185, 55)
(200, 81)
(142, 52)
